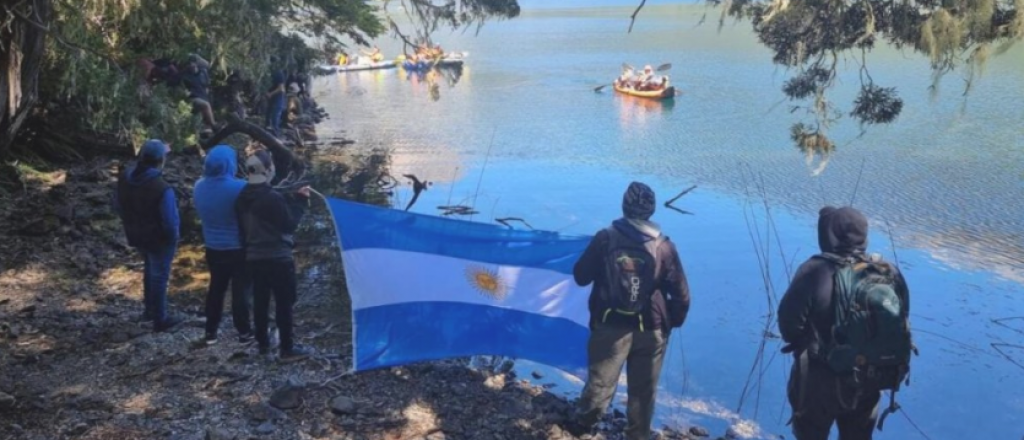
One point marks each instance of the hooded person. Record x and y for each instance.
(149, 214)
(267, 220)
(215, 195)
(819, 397)
(639, 295)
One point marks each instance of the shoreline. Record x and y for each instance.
(74, 364)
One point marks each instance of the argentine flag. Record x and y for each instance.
(427, 288)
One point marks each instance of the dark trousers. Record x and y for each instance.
(828, 399)
(642, 352)
(275, 108)
(275, 277)
(227, 268)
(156, 275)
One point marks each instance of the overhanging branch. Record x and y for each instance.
(632, 18)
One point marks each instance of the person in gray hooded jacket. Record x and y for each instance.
(639, 295)
(267, 220)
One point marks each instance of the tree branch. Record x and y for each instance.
(632, 18)
(60, 38)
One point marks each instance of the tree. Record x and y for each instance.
(74, 65)
(428, 16)
(811, 36)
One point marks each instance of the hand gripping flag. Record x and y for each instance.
(427, 288)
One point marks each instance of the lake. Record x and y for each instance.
(522, 134)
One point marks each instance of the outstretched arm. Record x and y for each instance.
(588, 266)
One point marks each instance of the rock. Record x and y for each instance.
(343, 405)
(537, 375)
(263, 412)
(697, 431)
(219, 434)
(266, 427)
(77, 430)
(288, 396)
(319, 429)
(7, 401)
(92, 402)
(496, 382)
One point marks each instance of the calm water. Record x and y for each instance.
(522, 134)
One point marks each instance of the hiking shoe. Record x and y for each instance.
(296, 353)
(246, 337)
(169, 323)
(210, 339)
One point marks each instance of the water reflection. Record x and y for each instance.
(636, 112)
(432, 79)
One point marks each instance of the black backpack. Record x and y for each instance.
(631, 270)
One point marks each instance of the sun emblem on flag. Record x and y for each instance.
(487, 281)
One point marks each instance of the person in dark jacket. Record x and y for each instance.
(276, 97)
(215, 195)
(149, 213)
(617, 338)
(267, 219)
(196, 79)
(818, 396)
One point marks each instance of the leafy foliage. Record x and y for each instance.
(91, 64)
(428, 16)
(812, 35)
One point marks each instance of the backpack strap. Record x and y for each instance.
(893, 407)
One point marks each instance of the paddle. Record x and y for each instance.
(625, 66)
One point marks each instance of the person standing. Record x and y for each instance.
(215, 195)
(267, 219)
(844, 318)
(149, 214)
(639, 295)
(276, 98)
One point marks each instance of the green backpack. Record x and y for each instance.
(871, 338)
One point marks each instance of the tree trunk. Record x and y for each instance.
(22, 47)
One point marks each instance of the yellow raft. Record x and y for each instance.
(666, 93)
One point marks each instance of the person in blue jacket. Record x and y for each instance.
(149, 212)
(215, 195)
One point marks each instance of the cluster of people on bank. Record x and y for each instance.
(287, 81)
(248, 229)
(640, 293)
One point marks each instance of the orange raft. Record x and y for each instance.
(665, 93)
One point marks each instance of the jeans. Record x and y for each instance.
(155, 277)
(275, 277)
(642, 352)
(227, 267)
(275, 107)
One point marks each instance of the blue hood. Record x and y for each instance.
(215, 196)
(220, 162)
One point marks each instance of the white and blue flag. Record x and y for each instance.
(427, 288)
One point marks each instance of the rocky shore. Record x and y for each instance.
(75, 363)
